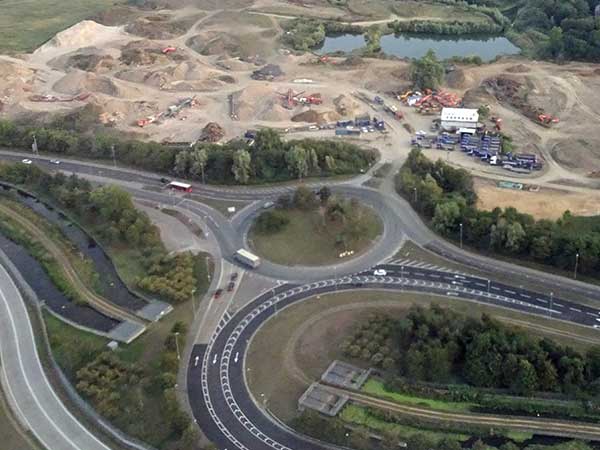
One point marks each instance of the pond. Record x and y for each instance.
(415, 46)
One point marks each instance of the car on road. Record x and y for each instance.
(380, 273)
(230, 286)
(27, 161)
(164, 180)
(55, 162)
(268, 205)
(234, 276)
(218, 293)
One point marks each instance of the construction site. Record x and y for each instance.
(200, 74)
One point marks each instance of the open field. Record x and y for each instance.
(308, 240)
(543, 204)
(294, 348)
(27, 24)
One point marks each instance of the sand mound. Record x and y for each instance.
(77, 81)
(83, 34)
(144, 53)
(260, 103)
(215, 43)
(456, 79)
(519, 68)
(17, 81)
(160, 26)
(345, 106)
(312, 116)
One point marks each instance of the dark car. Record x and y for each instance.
(234, 276)
(164, 180)
(230, 286)
(218, 293)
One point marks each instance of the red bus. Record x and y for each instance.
(183, 187)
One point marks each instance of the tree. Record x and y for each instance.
(427, 72)
(304, 198)
(324, 194)
(182, 162)
(359, 439)
(241, 166)
(555, 45)
(525, 381)
(446, 216)
(199, 159)
(297, 160)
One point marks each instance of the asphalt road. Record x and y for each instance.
(220, 400)
(26, 384)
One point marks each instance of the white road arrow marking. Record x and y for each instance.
(196, 361)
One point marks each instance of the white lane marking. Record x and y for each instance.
(574, 309)
(560, 305)
(510, 292)
(27, 382)
(496, 288)
(541, 300)
(525, 295)
(237, 355)
(591, 314)
(215, 359)
(196, 359)
(480, 284)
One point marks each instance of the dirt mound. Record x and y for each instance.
(76, 82)
(519, 68)
(260, 103)
(89, 59)
(307, 116)
(145, 53)
(212, 132)
(160, 26)
(474, 98)
(352, 61)
(215, 43)
(83, 34)
(578, 154)
(345, 106)
(456, 79)
(514, 92)
(17, 81)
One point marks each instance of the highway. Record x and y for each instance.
(220, 400)
(25, 381)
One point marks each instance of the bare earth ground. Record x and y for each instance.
(543, 204)
(296, 346)
(219, 44)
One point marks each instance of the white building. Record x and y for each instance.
(455, 118)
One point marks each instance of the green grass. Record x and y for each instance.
(357, 415)
(26, 24)
(306, 241)
(376, 388)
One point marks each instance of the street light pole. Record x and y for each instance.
(415, 189)
(177, 344)
(193, 302)
(489, 285)
(576, 263)
(114, 158)
(551, 302)
(461, 235)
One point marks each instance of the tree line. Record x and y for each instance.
(445, 196)
(439, 345)
(110, 212)
(304, 34)
(268, 159)
(454, 28)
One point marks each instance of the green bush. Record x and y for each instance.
(270, 222)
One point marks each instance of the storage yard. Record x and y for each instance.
(206, 75)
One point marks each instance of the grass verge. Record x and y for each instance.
(26, 24)
(308, 240)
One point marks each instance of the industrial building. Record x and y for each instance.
(454, 119)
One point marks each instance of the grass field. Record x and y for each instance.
(357, 415)
(306, 241)
(376, 387)
(26, 24)
(293, 349)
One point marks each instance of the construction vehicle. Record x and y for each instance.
(497, 121)
(547, 119)
(172, 111)
(312, 99)
(289, 99)
(168, 50)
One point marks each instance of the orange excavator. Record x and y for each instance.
(548, 119)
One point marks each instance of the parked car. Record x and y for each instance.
(27, 161)
(268, 205)
(380, 273)
(55, 162)
(218, 293)
(230, 286)
(234, 276)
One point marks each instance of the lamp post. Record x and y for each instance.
(114, 157)
(461, 235)
(193, 302)
(576, 264)
(489, 285)
(551, 302)
(415, 190)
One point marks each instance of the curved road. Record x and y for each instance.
(219, 396)
(28, 389)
